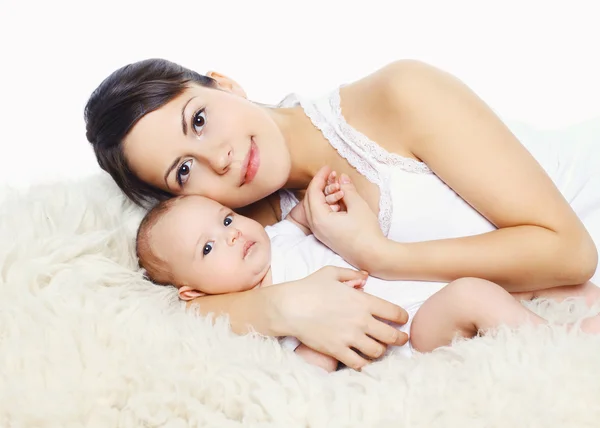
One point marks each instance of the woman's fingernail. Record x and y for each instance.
(345, 179)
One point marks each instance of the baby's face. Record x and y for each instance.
(209, 248)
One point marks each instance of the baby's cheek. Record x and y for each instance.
(209, 276)
(230, 276)
(216, 283)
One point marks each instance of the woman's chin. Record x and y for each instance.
(262, 190)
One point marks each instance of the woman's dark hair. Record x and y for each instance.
(120, 101)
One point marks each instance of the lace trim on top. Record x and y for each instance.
(371, 148)
(361, 153)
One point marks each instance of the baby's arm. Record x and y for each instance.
(329, 364)
(298, 216)
(466, 307)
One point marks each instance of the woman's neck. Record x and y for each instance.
(305, 144)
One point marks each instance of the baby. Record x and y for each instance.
(202, 247)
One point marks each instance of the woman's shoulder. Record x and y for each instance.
(379, 105)
(376, 92)
(391, 83)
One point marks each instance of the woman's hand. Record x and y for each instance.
(348, 226)
(331, 317)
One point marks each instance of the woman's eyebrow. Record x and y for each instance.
(184, 126)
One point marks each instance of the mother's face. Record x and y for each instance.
(210, 142)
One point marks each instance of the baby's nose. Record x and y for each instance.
(234, 235)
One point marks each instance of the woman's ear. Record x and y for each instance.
(227, 84)
(187, 293)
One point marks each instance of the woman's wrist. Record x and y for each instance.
(382, 257)
(272, 302)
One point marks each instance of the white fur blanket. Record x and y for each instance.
(85, 341)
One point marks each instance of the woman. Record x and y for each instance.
(161, 130)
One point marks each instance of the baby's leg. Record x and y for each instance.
(466, 307)
(589, 291)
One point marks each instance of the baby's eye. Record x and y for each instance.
(228, 220)
(207, 248)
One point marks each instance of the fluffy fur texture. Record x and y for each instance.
(86, 341)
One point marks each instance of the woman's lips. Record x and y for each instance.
(251, 164)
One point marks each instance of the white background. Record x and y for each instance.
(537, 61)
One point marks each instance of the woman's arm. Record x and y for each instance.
(320, 310)
(252, 310)
(540, 241)
(520, 258)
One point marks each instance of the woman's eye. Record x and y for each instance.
(207, 248)
(198, 121)
(228, 220)
(183, 172)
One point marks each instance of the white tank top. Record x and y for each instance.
(416, 205)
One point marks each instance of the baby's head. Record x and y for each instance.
(202, 247)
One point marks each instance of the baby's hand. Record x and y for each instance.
(333, 194)
(358, 284)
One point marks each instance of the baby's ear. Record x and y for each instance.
(187, 293)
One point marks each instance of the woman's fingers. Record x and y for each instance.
(326, 314)
(369, 347)
(320, 179)
(344, 274)
(351, 359)
(314, 197)
(388, 311)
(351, 196)
(386, 333)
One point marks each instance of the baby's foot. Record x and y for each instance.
(591, 325)
(591, 293)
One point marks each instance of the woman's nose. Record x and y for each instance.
(220, 159)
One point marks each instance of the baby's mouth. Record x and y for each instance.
(247, 246)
